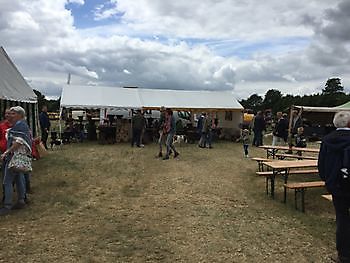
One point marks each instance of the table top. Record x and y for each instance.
(291, 164)
(271, 147)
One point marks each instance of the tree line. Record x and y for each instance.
(52, 105)
(332, 95)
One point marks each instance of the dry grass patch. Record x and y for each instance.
(97, 203)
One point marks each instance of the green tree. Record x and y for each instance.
(254, 102)
(333, 87)
(272, 100)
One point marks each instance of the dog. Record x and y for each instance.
(55, 142)
(180, 140)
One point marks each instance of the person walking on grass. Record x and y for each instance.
(44, 125)
(170, 130)
(162, 135)
(280, 132)
(245, 138)
(259, 126)
(334, 169)
(138, 123)
(19, 142)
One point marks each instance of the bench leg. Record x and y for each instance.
(285, 181)
(303, 200)
(267, 185)
(272, 186)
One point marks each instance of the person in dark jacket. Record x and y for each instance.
(280, 132)
(296, 122)
(258, 127)
(334, 169)
(138, 124)
(44, 125)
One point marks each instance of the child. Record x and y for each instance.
(246, 141)
(300, 140)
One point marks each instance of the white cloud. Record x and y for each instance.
(41, 38)
(79, 2)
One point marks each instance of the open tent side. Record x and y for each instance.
(223, 103)
(14, 90)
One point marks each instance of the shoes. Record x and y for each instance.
(246, 156)
(176, 154)
(19, 205)
(4, 211)
(166, 158)
(160, 155)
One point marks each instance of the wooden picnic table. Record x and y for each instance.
(271, 150)
(283, 168)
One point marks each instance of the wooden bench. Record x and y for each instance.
(270, 177)
(260, 161)
(301, 188)
(293, 172)
(282, 156)
(328, 197)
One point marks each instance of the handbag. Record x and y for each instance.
(20, 162)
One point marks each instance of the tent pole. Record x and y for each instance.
(59, 123)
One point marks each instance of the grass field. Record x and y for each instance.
(94, 203)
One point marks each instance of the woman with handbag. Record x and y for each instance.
(17, 159)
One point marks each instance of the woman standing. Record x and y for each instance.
(16, 159)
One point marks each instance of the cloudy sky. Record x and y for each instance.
(249, 46)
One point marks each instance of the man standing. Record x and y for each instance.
(334, 169)
(138, 124)
(162, 135)
(44, 125)
(259, 127)
(280, 133)
(170, 129)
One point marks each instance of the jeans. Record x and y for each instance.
(342, 206)
(277, 141)
(209, 139)
(161, 140)
(170, 144)
(9, 178)
(136, 137)
(245, 148)
(258, 138)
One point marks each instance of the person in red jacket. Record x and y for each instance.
(4, 126)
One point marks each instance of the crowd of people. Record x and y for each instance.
(167, 128)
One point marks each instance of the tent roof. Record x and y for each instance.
(345, 106)
(74, 96)
(12, 84)
(319, 109)
(99, 97)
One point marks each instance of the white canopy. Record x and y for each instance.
(74, 96)
(12, 84)
(135, 98)
(319, 109)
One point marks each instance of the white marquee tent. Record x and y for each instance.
(14, 90)
(84, 97)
